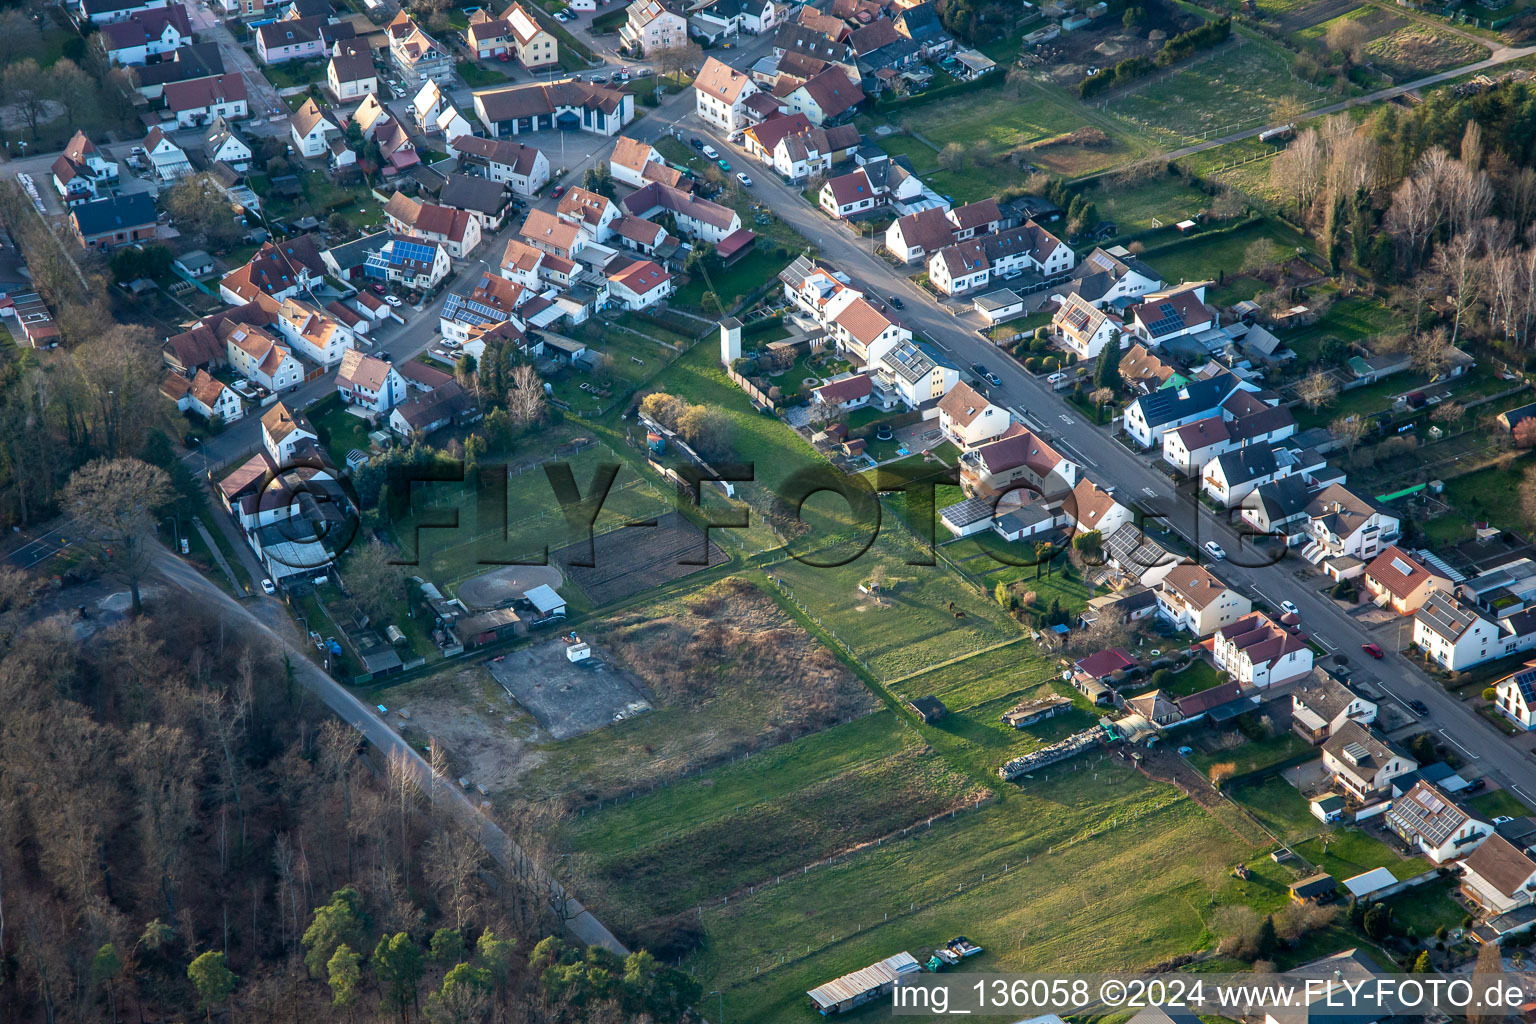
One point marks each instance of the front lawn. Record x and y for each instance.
(1352, 852)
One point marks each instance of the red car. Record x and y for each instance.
(1373, 650)
(557, 192)
(503, 57)
(379, 288)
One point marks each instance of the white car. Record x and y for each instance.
(710, 152)
(267, 588)
(1056, 378)
(1215, 550)
(393, 300)
(741, 176)
(1290, 608)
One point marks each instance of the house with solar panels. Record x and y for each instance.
(409, 262)
(917, 374)
(1362, 763)
(1426, 818)
(1516, 697)
(1084, 329)
(1173, 313)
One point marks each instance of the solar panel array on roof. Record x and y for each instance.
(1168, 319)
(1525, 682)
(1078, 319)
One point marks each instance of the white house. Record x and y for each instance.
(458, 231)
(721, 93)
(971, 264)
(1453, 635)
(1084, 329)
(849, 195)
(1443, 830)
(1343, 525)
(566, 104)
(1149, 417)
(968, 419)
(653, 25)
(714, 19)
(350, 75)
(369, 382)
(1172, 313)
(1233, 475)
(417, 55)
(203, 395)
(255, 355)
(1256, 651)
(199, 101)
(1191, 598)
(1516, 699)
(918, 375)
(283, 430)
(629, 159)
(1089, 508)
(316, 335)
(826, 97)
(522, 167)
(145, 34)
(1322, 704)
(695, 217)
(223, 145)
(167, 158)
(410, 262)
(311, 129)
(81, 171)
(861, 331)
(1362, 763)
(592, 213)
(640, 285)
(1107, 275)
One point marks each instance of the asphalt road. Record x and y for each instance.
(445, 795)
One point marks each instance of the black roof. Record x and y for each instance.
(115, 213)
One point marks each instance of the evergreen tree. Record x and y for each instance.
(1106, 373)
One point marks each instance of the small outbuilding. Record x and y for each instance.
(1319, 888)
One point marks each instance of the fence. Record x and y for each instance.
(759, 397)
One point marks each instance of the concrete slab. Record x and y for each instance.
(568, 699)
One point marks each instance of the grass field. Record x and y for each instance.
(1253, 754)
(1352, 852)
(1415, 51)
(1134, 206)
(915, 628)
(534, 518)
(1498, 803)
(1279, 807)
(1427, 907)
(1202, 256)
(1491, 495)
(1352, 319)
(1239, 87)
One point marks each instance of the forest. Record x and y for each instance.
(186, 833)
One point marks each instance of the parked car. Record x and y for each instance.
(1056, 378)
(895, 300)
(723, 165)
(978, 369)
(710, 151)
(993, 379)
(1215, 550)
(1476, 785)
(393, 300)
(1290, 608)
(379, 289)
(1373, 650)
(742, 177)
(557, 192)
(1421, 709)
(267, 588)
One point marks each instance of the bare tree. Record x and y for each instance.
(1298, 171)
(1429, 352)
(26, 91)
(1317, 390)
(1349, 431)
(374, 579)
(1347, 38)
(115, 501)
(525, 398)
(452, 867)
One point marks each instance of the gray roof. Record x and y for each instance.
(1245, 464)
(1134, 552)
(1427, 813)
(1361, 750)
(911, 362)
(1324, 695)
(1000, 299)
(472, 192)
(1445, 616)
(1281, 499)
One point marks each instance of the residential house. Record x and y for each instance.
(864, 333)
(1193, 599)
(523, 168)
(1193, 447)
(1499, 876)
(1278, 510)
(105, 12)
(720, 95)
(485, 200)
(653, 25)
(145, 34)
(640, 285)
(311, 130)
(458, 231)
(425, 412)
(286, 39)
(920, 23)
(1344, 526)
(1515, 697)
(409, 262)
(223, 145)
(695, 217)
(200, 101)
(203, 395)
(256, 355)
(1144, 371)
(1015, 252)
(1148, 417)
(1233, 475)
(1321, 705)
(1396, 580)
(919, 375)
(522, 263)
(81, 171)
(912, 237)
(103, 224)
(566, 105)
(592, 213)
(826, 98)
(170, 163)
(517, 33)
(417, 55)
(1362, 763)
(968, 419)
(843, 394)
(1172, 313)
(629, 160)
(1132, 604)
(713, 19)
(369, 382)
(1256, 651)
(1107, 276)
(1190, 447)
(1084, 329)
(351, 75)
(493, 301)
(1456, 637)
(1090, 508)
(314, 333)
(643, 236)
(547, 232)
(428, 104)
(1018, 463)
(849, 195)
(284, 431)
(1427, 818)
(278, 269)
